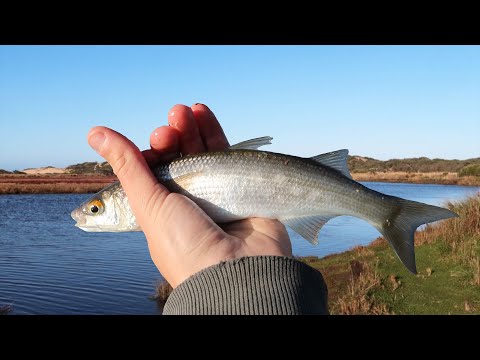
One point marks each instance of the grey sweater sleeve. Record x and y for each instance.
(273, 285)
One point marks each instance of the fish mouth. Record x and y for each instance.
(75, 214)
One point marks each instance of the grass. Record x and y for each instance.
(58, 188)
(162, 292)
(372, 280)
(445, 178)
(5, 309)
(53, 183)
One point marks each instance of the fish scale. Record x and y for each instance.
(248, 183)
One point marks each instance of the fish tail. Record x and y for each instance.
(399, 226)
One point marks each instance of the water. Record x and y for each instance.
(48, 266)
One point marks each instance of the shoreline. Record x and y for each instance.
(54, 183)
(83, 184)
(441, 178)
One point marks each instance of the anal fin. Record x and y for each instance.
(307, 226)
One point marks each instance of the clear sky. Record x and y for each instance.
(378, 101)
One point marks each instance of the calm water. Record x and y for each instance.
(48, 266)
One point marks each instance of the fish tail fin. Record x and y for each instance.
(400, 225)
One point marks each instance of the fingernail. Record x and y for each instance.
(96, 140)
(205, 106)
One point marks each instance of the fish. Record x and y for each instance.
(243, 182)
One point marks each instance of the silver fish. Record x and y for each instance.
(243, 182)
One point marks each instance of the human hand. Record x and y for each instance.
(182, 239)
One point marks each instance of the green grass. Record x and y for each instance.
(442, 285)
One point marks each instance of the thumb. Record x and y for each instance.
(144, 193)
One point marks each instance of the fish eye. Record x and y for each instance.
(94, 207)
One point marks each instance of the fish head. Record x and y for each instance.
(106, 211)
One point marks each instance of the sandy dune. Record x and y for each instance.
(45, 170)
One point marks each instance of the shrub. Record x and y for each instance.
(470, 170)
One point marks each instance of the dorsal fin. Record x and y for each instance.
(307, 226)
(336, 160)
(252, 144)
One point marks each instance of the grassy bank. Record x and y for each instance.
(416, 170)
(59, 188)
(372, 280)
(444, 178)
(53, 183)
(362, 164)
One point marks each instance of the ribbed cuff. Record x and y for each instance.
(258, 285)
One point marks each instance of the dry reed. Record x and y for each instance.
(49, 188)
(459, 237)
(445, 178)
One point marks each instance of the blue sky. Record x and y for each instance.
(378, 101)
